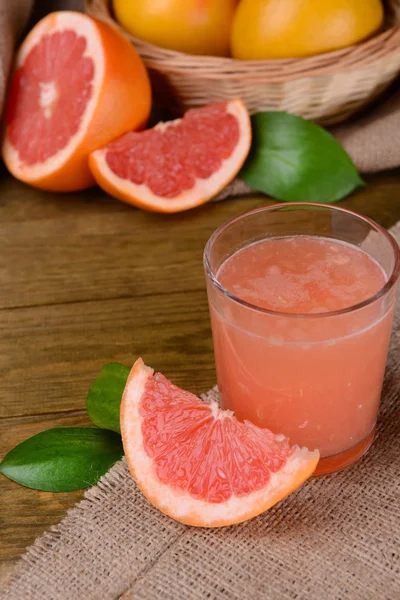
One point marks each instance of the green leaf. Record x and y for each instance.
(104, 397)
(295, 160)
(63, 459)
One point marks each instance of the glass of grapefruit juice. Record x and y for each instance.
(301, 301)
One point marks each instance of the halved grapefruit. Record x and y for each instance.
(78, 84)
(178, 164)
(196, 462)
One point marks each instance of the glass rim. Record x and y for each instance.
(274, 207)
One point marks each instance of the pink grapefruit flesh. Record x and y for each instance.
(196, 462)
(77, 84)
(178, 164)
(49, 95)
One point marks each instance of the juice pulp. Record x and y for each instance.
(317, 377)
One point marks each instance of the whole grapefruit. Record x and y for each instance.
(192, 26)
(266, 29)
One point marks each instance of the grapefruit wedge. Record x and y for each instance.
(196, 462)
(178, 164)
(78, 84)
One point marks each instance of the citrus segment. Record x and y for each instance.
(196, 462)
(178, 164)
(77, 84)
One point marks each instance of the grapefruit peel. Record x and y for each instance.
(179, 504)
(115, 98)
(203, 189)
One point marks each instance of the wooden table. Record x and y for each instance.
(86, 280)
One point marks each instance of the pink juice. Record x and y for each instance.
(300, 370)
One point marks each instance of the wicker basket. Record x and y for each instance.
(326, 88)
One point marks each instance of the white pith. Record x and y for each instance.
(203, 188)
(180, 505)
(48, 97)
(82, 26)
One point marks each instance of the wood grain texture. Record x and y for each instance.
(87, 246)
(74, 250)
(26, 513)
(87, 280)
(51, 354)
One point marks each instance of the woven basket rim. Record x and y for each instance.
(352, 57)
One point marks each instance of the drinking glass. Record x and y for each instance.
(316, 378)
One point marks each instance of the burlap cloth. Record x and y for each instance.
(336, 538)
(13, 16)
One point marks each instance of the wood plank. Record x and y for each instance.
(84, 250)
(26, 513)
(50, 355)
(87, 246)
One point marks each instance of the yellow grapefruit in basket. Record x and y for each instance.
(192, 26)
(196, 462)
(268, 29)
(77, 84)
(178, 164)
